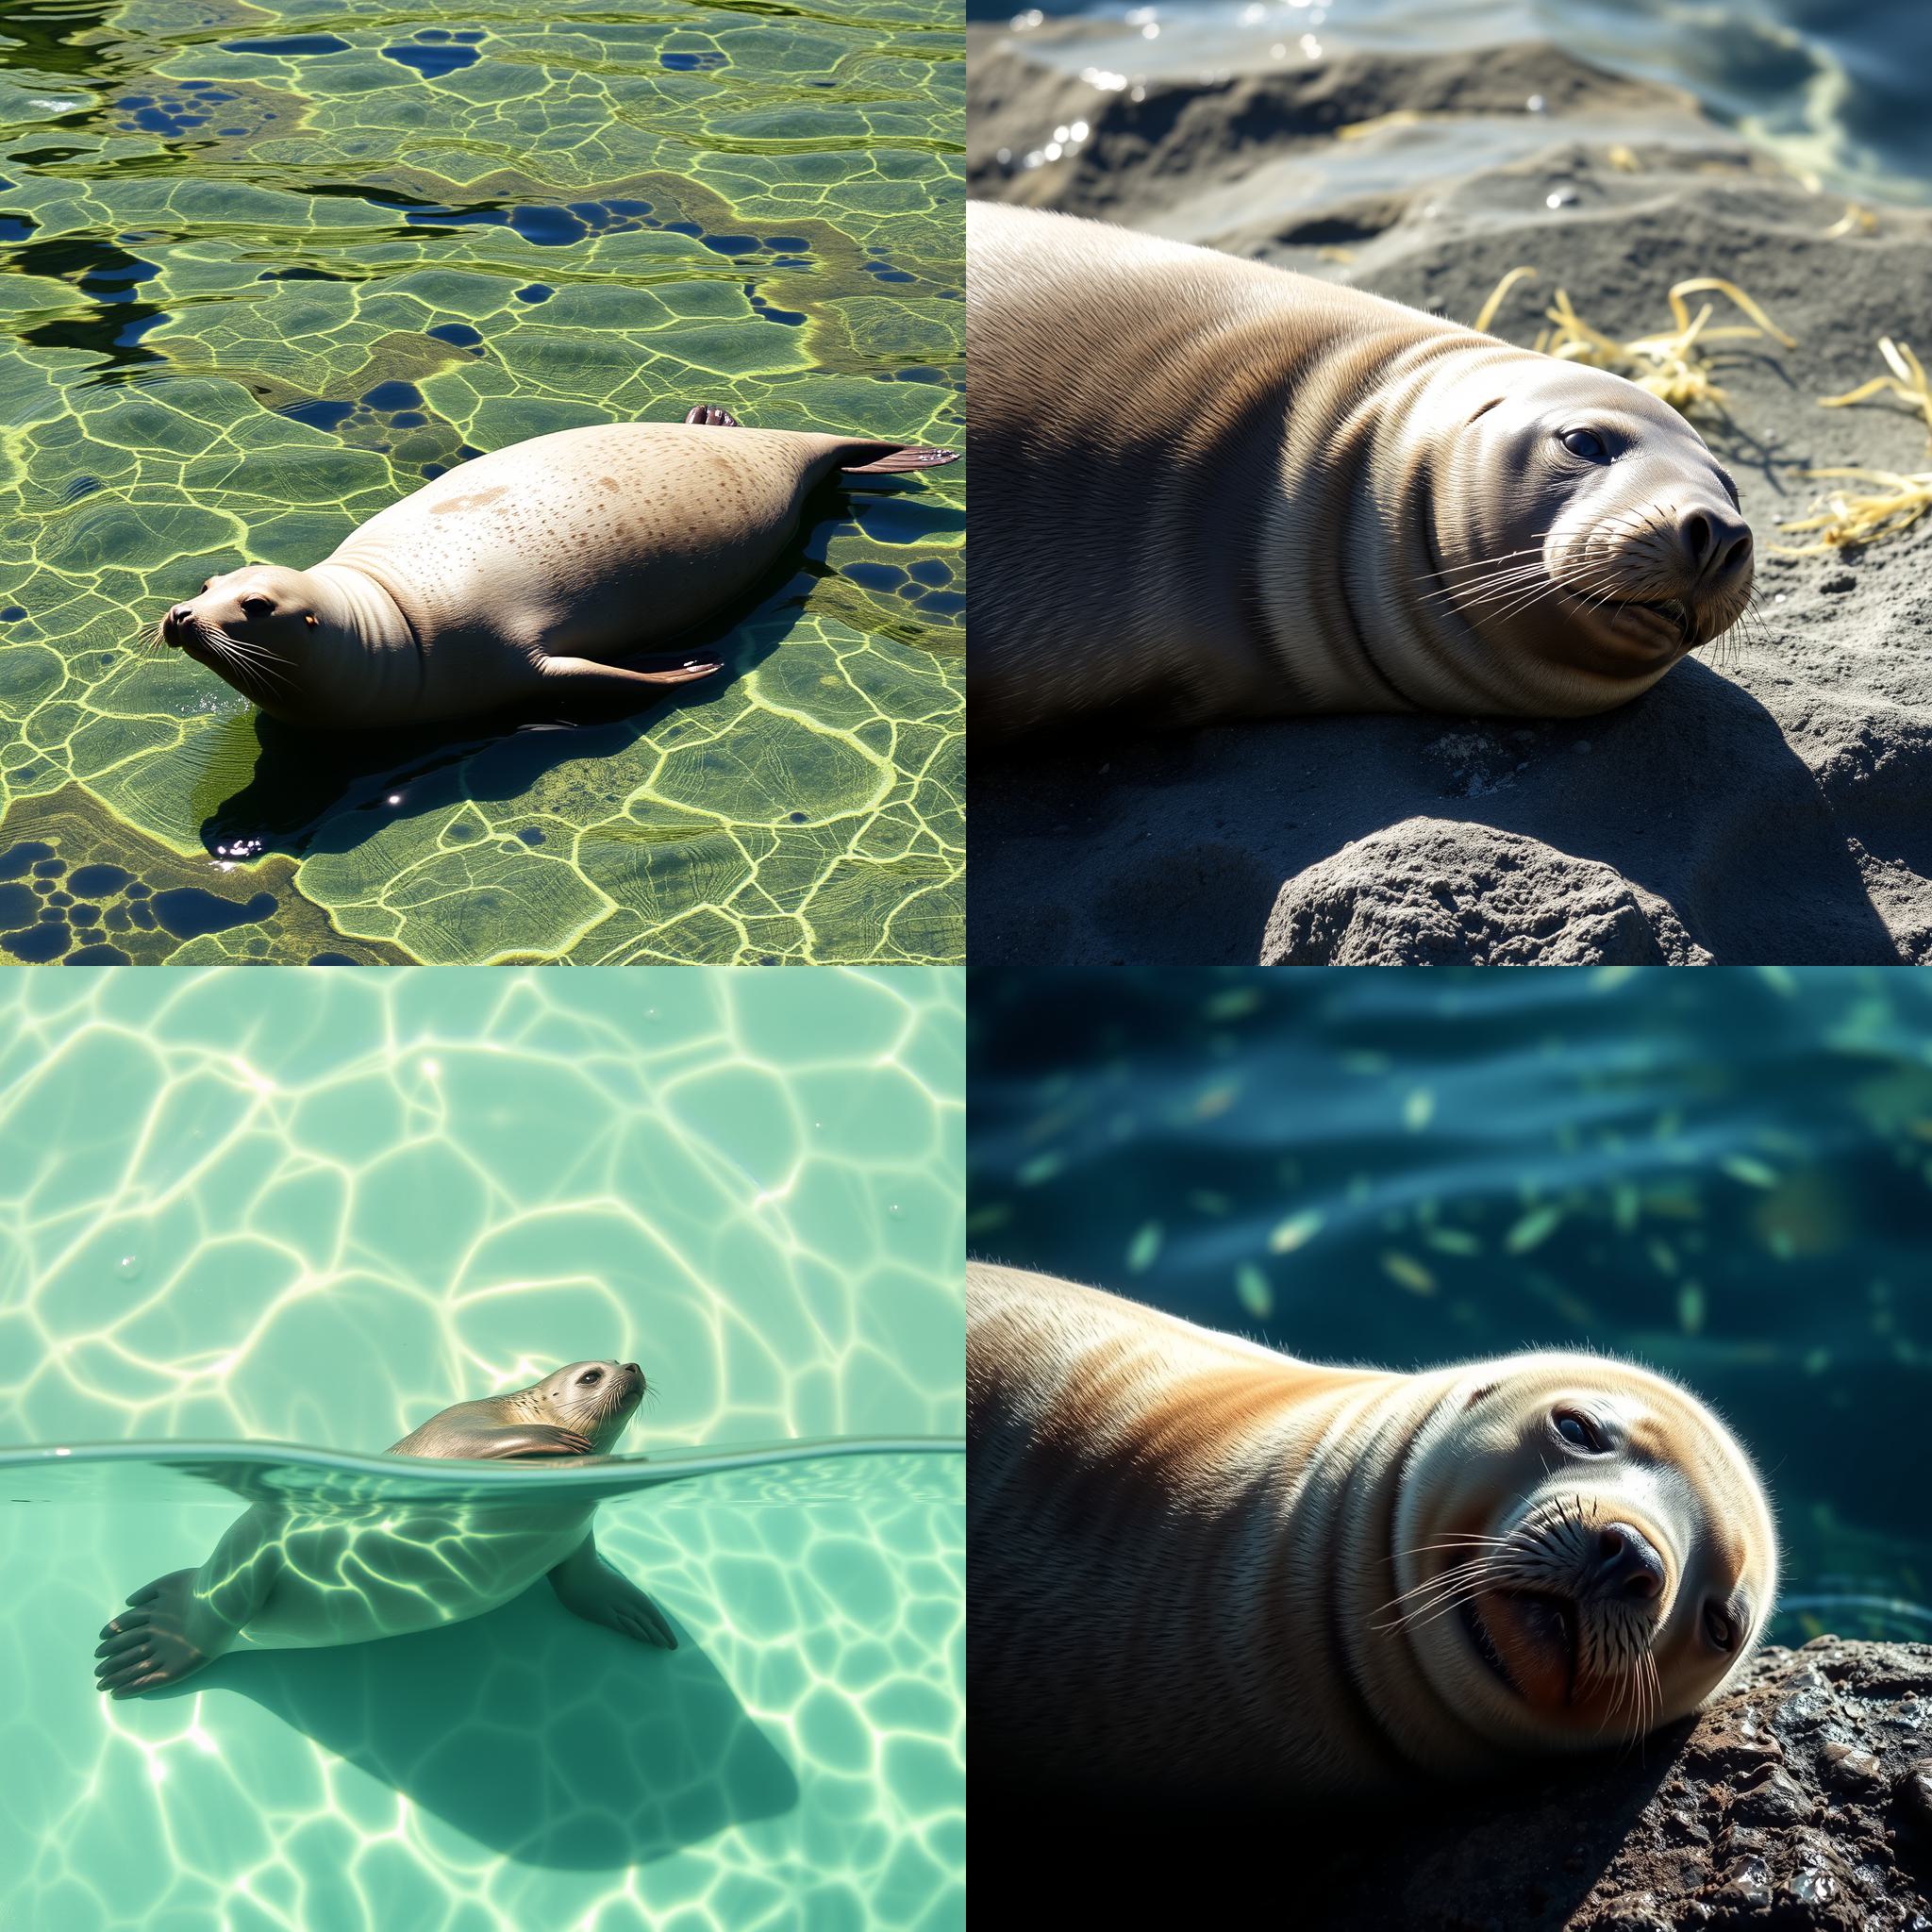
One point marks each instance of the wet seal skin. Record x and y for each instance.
(529, 572)
(1203, 1568)
(1211, 488)
(289, 1577)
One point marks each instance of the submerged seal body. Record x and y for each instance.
(1210, 489)
(286, 1577)
(1201, 1565)
(526, 573)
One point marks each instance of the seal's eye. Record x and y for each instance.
(254, 605)
(589, 1377)
(1576, 1428)
(1586, 444)
(1720, 1628)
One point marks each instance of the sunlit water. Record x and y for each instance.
(1834, 89)
(268, 269)
(1727, 1175)
(238, 1213)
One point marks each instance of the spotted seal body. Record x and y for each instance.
(1209, 489)
(524, 574)
(286, 1577)
(1201, 1567)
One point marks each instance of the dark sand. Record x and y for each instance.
(1768, 802)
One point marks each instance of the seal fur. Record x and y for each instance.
(527, 573)
(285, 1577)
(1200, 1565)
(1211, 488)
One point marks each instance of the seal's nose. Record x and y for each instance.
(174, 621)
(1628, 1565)
(1714, 541)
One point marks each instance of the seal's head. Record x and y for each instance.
(1586, 523)
(1585, 1552)
(596, 1399)
(255, 629)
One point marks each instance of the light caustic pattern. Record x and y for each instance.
(265, 277)
(317, 1210)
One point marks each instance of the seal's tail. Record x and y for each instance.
(899, 457)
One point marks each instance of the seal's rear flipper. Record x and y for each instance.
(709, 416)
(901, 456)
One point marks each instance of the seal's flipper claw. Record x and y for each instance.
(906, 455)
(685, 674)
(708, 416)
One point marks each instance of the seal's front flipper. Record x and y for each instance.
(588, 1587)
(481, 1440)
(897, 457)
(613, 689)
(708, 416)
(167, 1633)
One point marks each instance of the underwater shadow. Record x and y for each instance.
(543, 1737)
(329, 791)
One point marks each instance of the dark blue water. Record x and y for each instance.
(1725, 1174)
(1833, 86)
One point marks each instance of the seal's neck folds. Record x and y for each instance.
(364, 608)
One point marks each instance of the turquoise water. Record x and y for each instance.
(254, 1228)
(1725, 1174)
(1834, 90)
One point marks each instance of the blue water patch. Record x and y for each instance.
(112, 281)
(94, 880)
(288, 44)
(394, 395)
(38, 944)
(432, 62)
(319, 413)
(692, 63)
(535, 292)
(12, 613)
(461, 333)
(16, 227)
(188, 912)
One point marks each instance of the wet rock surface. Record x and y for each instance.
(1800, 1802)
(1423, 892)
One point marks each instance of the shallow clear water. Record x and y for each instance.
(1833, 89)
(1726, 1175)
(267, 269)
(274, 1209)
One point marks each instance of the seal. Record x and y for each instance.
(1211, 488)
(1200, 1566)
(529, 572)
(293, 1577)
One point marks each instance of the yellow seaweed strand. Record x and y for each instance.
(1487, 313)
(1898, 499)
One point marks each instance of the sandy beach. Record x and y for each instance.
(1770, 801)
